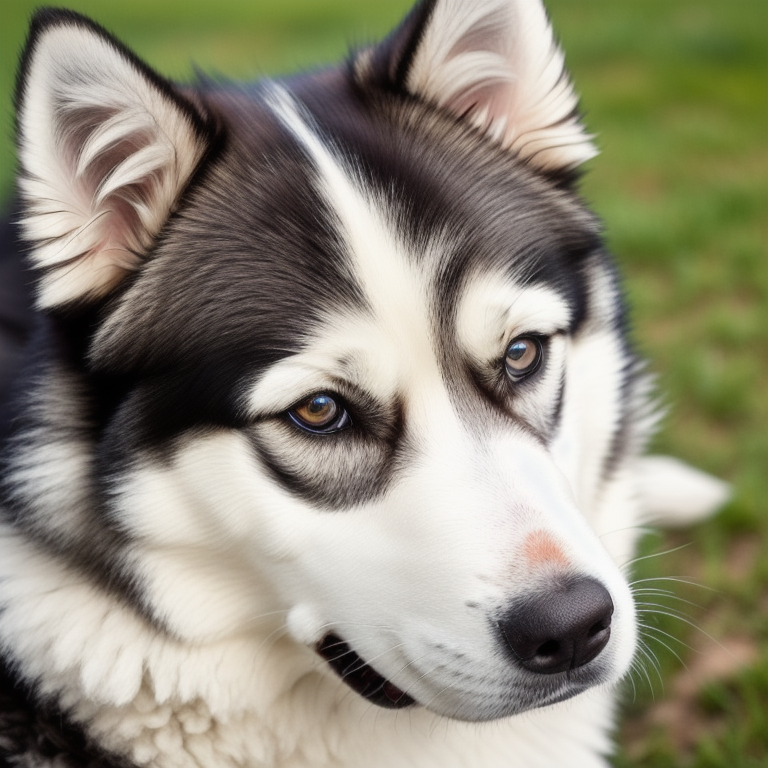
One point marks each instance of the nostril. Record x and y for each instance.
(550, 648)
(563, 628)
(597, 628)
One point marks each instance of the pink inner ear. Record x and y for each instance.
(494, 63)
(113, 216)
(105, 152)
(114, 170)
(486, 106)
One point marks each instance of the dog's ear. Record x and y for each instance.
(106, 147)
(493, 63)
(673, 494)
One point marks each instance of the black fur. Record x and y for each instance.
(39, 735)
(16, 315)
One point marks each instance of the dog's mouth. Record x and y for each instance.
(360, 677)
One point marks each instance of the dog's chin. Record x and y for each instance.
(375, 688)
(489, 706)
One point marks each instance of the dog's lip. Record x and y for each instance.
(361, 677)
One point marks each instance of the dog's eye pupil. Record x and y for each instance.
(319, 413)
(523, 356)
(518, 350)
(320, 407)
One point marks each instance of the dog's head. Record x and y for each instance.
(342, 354)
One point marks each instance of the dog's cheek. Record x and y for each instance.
(205, 527)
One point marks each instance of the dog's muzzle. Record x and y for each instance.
(560, 629)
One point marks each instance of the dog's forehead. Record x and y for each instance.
(426, 261)
(323, 207)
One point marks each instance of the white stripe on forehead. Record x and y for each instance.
(395, 287)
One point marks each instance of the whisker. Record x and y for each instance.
(659, 640)
(273, 637)
(632, 680)
(665, 593)
(649, 609)
(696, 627)
(675, 580)
(368, 662)
(646, 652)
(654, 554)
(434, 727)
(259, 616)
(642, 528)
(638, 667)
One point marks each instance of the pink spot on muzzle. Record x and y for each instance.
(541, 548)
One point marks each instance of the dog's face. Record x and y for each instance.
(343, 389)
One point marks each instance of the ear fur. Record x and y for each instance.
(495, 64)
(106, 147)
(673, 494)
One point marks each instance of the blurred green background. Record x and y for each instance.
(677, 93)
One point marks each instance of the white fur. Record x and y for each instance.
(493, 308)
(95, 206)
(153, 698)
(497, 62)
(591, 412)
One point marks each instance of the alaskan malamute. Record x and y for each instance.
(327, 447)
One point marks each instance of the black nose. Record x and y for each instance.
(561, 628)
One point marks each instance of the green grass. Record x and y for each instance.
(677, 91)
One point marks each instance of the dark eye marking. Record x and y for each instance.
(523, 357)
(320, 414)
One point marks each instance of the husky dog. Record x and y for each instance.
(327, 446)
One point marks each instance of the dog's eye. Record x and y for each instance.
(523, 357)
(321, 414)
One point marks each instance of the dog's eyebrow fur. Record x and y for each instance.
(305, 373)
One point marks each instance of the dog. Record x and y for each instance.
(327, 448)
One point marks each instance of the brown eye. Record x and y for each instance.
(321, 414)
(523, 357)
